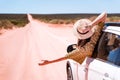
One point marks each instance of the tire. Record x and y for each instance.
(69, 71)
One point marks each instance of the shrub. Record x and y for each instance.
(6, 24)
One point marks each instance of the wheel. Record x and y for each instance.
(69, 71)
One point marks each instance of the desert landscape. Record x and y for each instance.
(21, 19)
(25, 41)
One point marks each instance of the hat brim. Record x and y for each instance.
(83, 36)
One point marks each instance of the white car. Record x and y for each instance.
(105, 61)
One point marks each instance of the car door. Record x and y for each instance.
(117, 74)
(101, 70)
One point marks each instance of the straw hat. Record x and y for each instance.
(82, 30)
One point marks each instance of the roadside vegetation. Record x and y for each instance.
(7, 22)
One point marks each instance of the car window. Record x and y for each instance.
(109, 48)
(102, 47)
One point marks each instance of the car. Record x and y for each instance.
(104, 64)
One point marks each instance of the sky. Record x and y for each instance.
(59, 6)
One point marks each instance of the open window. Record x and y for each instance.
(102, 47)
(109, 48)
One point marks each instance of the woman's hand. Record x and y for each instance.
(45, 62)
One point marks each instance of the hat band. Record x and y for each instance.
(82, 33)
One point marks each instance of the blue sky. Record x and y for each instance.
(59, 6)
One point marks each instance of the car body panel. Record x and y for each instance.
(95, 70)
(101, 70)
(117, 74)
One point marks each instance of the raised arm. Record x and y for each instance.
(100, 18)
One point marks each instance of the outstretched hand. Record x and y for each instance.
(45, 62)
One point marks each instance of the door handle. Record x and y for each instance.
(106, 75)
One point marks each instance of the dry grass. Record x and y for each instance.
(7, 21)
(6, 24)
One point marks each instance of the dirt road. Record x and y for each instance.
(22, 49)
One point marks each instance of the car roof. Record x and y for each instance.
(112, 27)
(112, 24)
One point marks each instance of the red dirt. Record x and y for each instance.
(22, 49)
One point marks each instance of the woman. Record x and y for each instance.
(88, 34)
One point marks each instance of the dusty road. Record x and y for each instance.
(22, 49)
